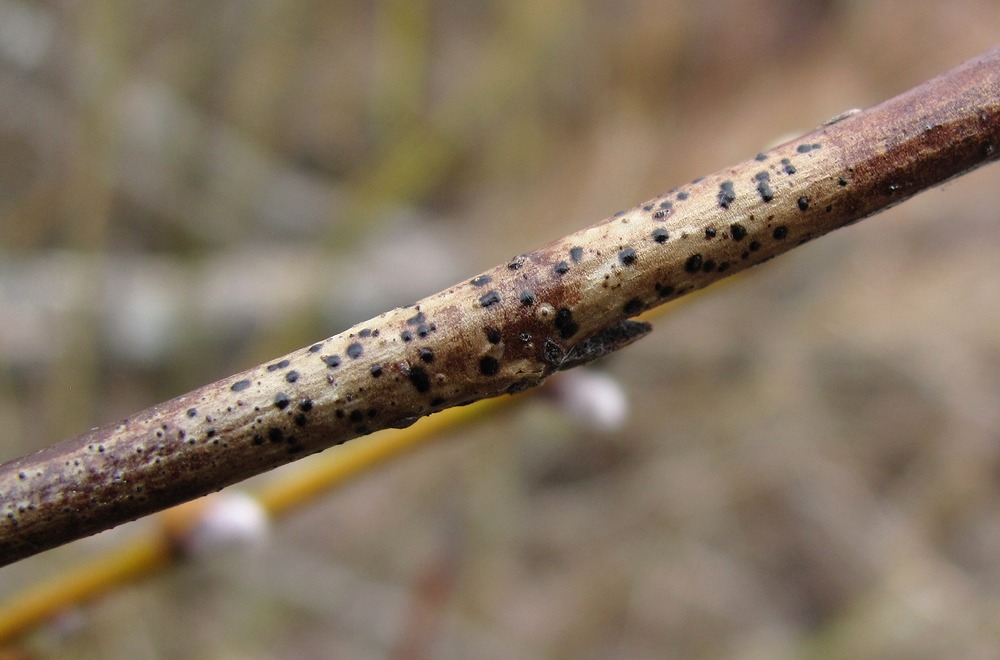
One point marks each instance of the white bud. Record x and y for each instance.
(227, 520)
(591, 398)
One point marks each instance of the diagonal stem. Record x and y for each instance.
(509, 328)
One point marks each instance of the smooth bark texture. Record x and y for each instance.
(509, 328)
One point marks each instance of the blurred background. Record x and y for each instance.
(811, 464)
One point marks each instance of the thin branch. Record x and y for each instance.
(509, 328)
(169, 540)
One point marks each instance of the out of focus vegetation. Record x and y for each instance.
(812, 460)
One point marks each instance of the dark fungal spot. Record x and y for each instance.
(517, 262)
(661, 235)
(258, 439)
(356, 416)
(482, 280)
(708, 266)
(527, 298)
(633, 307)
(424, 329)
(376, 371)
(281, 401)
(693, 263)
(667, 205)
(787, 166)
(806, 148)
(277, 365)
(491, 298)
(332, 360)
(300, 420)
(492, 335)
(780, 232)
(192, 412)
(737, 231)
(664, 290)
(576, 253)
(709, 232)
(315, 348)
(426, 355)
(841, 181)
(489, 365)
(681, 196)
(565, 324)
(355, 350)
(275, 434)
(754, 246)
(292, 376)
(764, 186)
(420, 380)
(803, 203)
(365, 333)
(305, 405)
(406, 335)
(727, 194)
(647, 207)
(561, 268)
(627, 257)
(416, 320)
(724, 266)
(240, 385)
(760, 158)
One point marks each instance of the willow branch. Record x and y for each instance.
(509, 328)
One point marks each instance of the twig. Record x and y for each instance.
(509, 328)
(165, 544)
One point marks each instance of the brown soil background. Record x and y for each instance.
(811, 465)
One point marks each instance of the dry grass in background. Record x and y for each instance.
(811, 463)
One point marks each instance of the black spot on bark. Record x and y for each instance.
(727, 194)
(488, 365)
(565, 324)
(491, 298)
(420, 380)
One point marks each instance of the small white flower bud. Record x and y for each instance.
(591, 398)
(228, 519)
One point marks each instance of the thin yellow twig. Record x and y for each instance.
(159, 549)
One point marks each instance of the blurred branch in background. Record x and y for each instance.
(190, 529)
